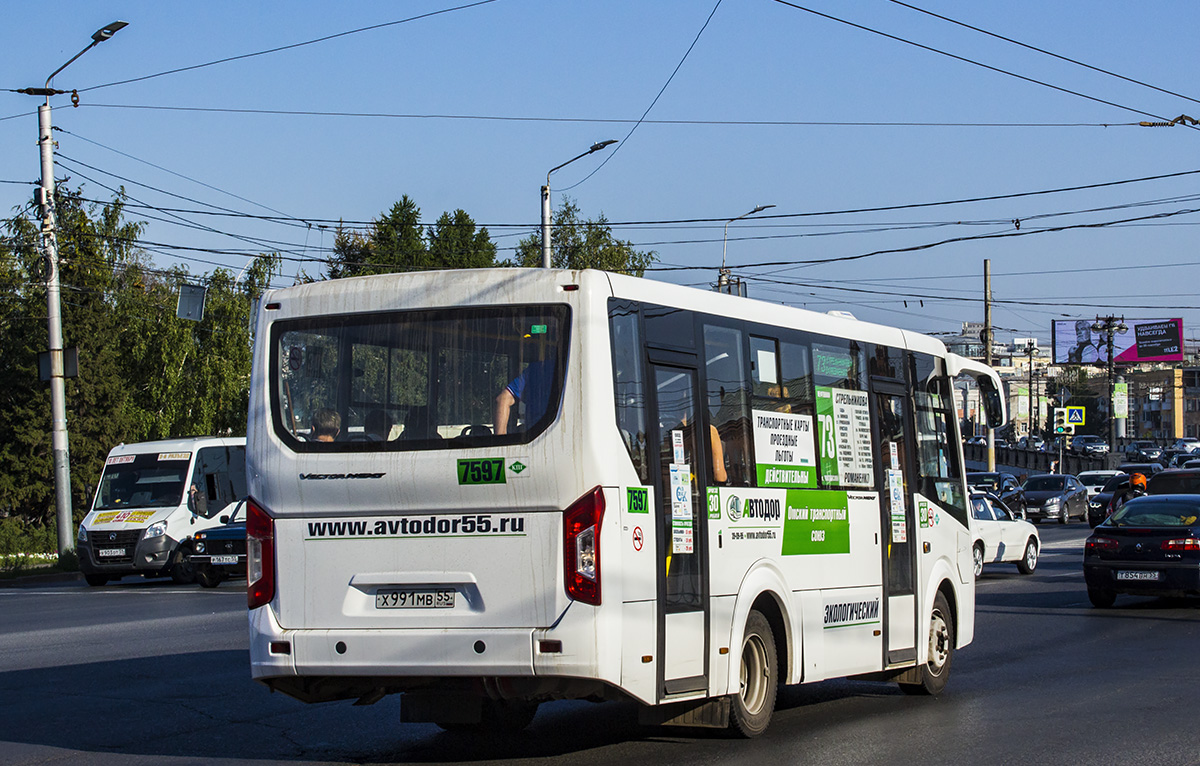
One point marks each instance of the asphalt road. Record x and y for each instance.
(153, 673)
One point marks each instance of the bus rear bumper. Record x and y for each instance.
(387, 653)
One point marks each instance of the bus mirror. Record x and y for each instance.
(993, 403)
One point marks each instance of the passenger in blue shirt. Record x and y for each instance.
(532, 387)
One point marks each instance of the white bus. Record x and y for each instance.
(487, 489)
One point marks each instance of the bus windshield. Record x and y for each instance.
(142, 481)
(416, 380)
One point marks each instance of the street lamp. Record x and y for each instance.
(1030, 347)
(546, 199)
(1109, 326)
(723, 274)
(58, 391)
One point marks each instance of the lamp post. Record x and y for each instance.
(723, 274)
(58, 398)
(1030, 347)
(1109, 326)
(546, 199)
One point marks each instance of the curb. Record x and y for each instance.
(30, 581)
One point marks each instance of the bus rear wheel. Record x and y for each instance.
(934, 674)
(752, 706)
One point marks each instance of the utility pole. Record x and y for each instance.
(1110, 326)
(986, 337)
(59, 442)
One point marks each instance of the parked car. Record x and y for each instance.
(1189, 443)
(977, 440)
(999, 536)
(1100, 504)
(1142, 451)
(1003, 485)
(1031, 442)
(1058, 444)
(1146, 469)
(1182, 459)
(1149, 547)
(220, 552)
(1087, 444)
(1094, 481)
(1054, 496)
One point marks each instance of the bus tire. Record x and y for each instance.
(96, 580)
(935, 672)
(751, 707)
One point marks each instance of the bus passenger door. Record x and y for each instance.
(897, 473)
(682, 569)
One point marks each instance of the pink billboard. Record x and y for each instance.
(1075, 341)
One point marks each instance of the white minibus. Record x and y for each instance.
(153, 497)
(486, 489)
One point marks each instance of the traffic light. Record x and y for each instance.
(1061, 426)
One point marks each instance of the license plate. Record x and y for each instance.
(108, 552)
(223, 559)
(1137, 575)
(427, 598)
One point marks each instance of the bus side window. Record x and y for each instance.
(728, 406)
(629, 388)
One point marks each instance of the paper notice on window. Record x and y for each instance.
(681, 491)
(844, 420)
(785, 450)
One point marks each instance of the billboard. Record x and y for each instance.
(1146, 340)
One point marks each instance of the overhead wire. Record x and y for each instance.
(661, 91)
(980, 64)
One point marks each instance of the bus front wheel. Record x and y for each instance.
(934, 674)
(758, 681)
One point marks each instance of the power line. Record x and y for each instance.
(976, 63)
(1046, 52)
(288, 47)
(607, 120)
(662, 90)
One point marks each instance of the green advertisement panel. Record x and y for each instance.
(816, 521)
(827, 455)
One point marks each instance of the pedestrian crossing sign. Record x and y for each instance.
(1075, 415)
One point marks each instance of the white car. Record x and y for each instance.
(1094, 481)
(1000, 537)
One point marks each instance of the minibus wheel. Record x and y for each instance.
(751, 707)
(182, 570)
(96, 580)
(935, 672)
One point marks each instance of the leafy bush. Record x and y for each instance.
(24, 544)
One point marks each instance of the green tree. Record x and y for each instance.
(396, 241)
(456, 243)
(579, 244)
(143, 372)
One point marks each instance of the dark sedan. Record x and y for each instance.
(1100, 504)
(1149, 547)
(1002, 485)
(1055, 496)
(1181, 481)
(220, 552)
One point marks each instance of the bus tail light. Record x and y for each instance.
(581, 547)
(260, 556)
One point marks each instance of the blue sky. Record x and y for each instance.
(769, 107)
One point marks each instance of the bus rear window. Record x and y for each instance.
(418, 379)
